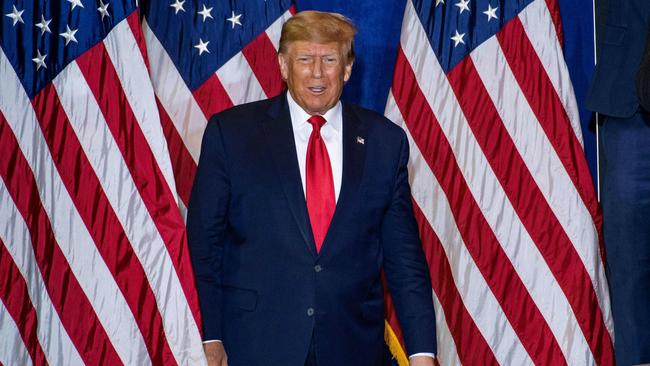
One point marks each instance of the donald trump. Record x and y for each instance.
(299, 203)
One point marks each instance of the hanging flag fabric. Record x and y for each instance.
(205, 59)
(503, 196)
(94, 264)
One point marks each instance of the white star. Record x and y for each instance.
(39, 60)
(202, 46)
(76, 3)
(103, 9)
(44, 25)
(178, 6)
(438, 2)
(16, 15)
(491, 12)
(463, 5)
(205, 13)
(69, 35)
(458, 38)
(234, 19)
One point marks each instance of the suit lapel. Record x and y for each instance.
(354, 156)
(280, 142)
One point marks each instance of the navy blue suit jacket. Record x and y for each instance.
(622, 31)
(263, 289)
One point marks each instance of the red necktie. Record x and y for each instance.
(319, 182)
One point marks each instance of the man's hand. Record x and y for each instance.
(421, 361)
(216, 354)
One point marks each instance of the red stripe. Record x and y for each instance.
(211, 97)
(151, 184)
(263, 59)
(554, 244)
(292, 10)
(471, 346)
(182, 162)
(15, 297)
(499, 273)
(98, 215)
(77, 314)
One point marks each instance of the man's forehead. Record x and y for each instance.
(311, 47)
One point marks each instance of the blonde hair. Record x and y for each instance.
(319, 27)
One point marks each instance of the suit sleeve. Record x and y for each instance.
(206, 227)
(405, 266)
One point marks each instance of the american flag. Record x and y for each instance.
(94, 267)
(503, 196)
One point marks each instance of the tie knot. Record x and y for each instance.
(316, 121)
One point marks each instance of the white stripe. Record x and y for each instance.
(69, 230)
(174, 95)
(54, 340)
(12, 348)
(275, 30)
(554, 183)
(538, 24)
(479, 300)
(183, 210)
(125, 54)
(447, 353)
(239, 81)
(104, 155)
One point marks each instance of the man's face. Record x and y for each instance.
(315, 74)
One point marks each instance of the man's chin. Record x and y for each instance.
(317, 108)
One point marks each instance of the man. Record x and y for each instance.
(298, 204)
(625, 172)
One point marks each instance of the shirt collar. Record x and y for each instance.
(299, 117)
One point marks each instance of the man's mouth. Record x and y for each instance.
(316, 89)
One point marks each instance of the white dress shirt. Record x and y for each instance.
(332, 134)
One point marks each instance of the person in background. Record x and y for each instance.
(643, 77)
(625, 169)
(299, 203)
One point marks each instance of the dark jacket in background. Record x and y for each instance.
(624, 141)
(643, 77)
(622, 29)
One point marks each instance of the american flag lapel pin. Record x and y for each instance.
(361, 140)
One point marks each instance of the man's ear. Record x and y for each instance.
(348, 71)
(284, 66)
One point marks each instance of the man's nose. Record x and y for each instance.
(317, 70)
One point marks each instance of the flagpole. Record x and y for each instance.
(597, 114)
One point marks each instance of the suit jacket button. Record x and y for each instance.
(318, 268)
(310, 312)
